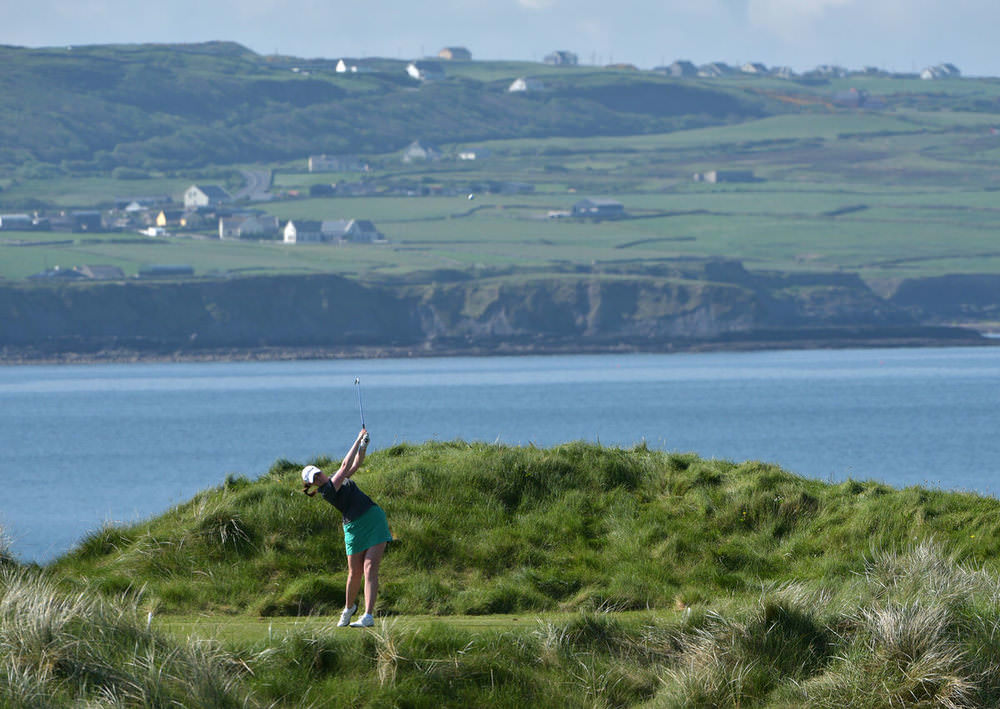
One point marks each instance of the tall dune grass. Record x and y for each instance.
(59, 649)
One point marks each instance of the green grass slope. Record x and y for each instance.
(748, 587)
(94, 108)
(495, 529)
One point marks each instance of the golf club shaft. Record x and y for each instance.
(361, 408)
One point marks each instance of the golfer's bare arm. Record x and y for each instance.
(352, 461)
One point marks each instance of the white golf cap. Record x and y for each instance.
(309, 473)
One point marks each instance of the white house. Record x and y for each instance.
(941, 71)
(361, 231)
(302, 232)
(416, 151)
(715, 70)
(525, 84)
(425, 71)
(332, 230)
(205, 196)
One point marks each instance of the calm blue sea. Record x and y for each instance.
(84, 445)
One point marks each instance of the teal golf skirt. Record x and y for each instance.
(366, 531)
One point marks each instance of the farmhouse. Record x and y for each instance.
(200, 196)
(303, 232)
(248, 226)
(679, 69)
(416, 151)
(15, 222)
(423, 70)
(941, 71)
(715, 70)
(598, 209)
(455, 54)
(525, 84)
(343, 67)
(359, 231)
(561, 58)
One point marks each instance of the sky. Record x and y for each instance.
(898, 35)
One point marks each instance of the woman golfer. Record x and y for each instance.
(366, 530)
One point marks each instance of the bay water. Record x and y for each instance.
(86, 445)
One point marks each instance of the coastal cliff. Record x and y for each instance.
(678, 306)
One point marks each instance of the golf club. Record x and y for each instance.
(361, 408)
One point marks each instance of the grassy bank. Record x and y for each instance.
(498, 529)
(572, 576)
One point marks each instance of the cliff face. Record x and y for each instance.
(968, 297)
(661, 308)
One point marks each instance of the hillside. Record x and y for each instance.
(498, 529)
(183, 106)
(624, 578)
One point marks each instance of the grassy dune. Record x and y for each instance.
(572, 576)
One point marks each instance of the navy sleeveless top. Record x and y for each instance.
(349, 500)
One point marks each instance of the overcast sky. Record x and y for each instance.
(901, 35)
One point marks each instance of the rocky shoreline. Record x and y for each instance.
(685, 307)
(831, 339)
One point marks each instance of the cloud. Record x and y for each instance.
(536, 4)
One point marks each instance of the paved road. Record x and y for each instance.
(258, 182)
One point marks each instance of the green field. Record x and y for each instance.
(904, 192)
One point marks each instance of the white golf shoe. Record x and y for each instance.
(365, 621)
(345, 617)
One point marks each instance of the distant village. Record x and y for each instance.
(435, 69)
(208, 210)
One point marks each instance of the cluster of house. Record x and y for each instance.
(941, 71)
(204, 207)
(434, 69)
(682, 69)
(73, 221)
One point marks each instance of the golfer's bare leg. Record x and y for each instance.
(373, 557)
(355, 573)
